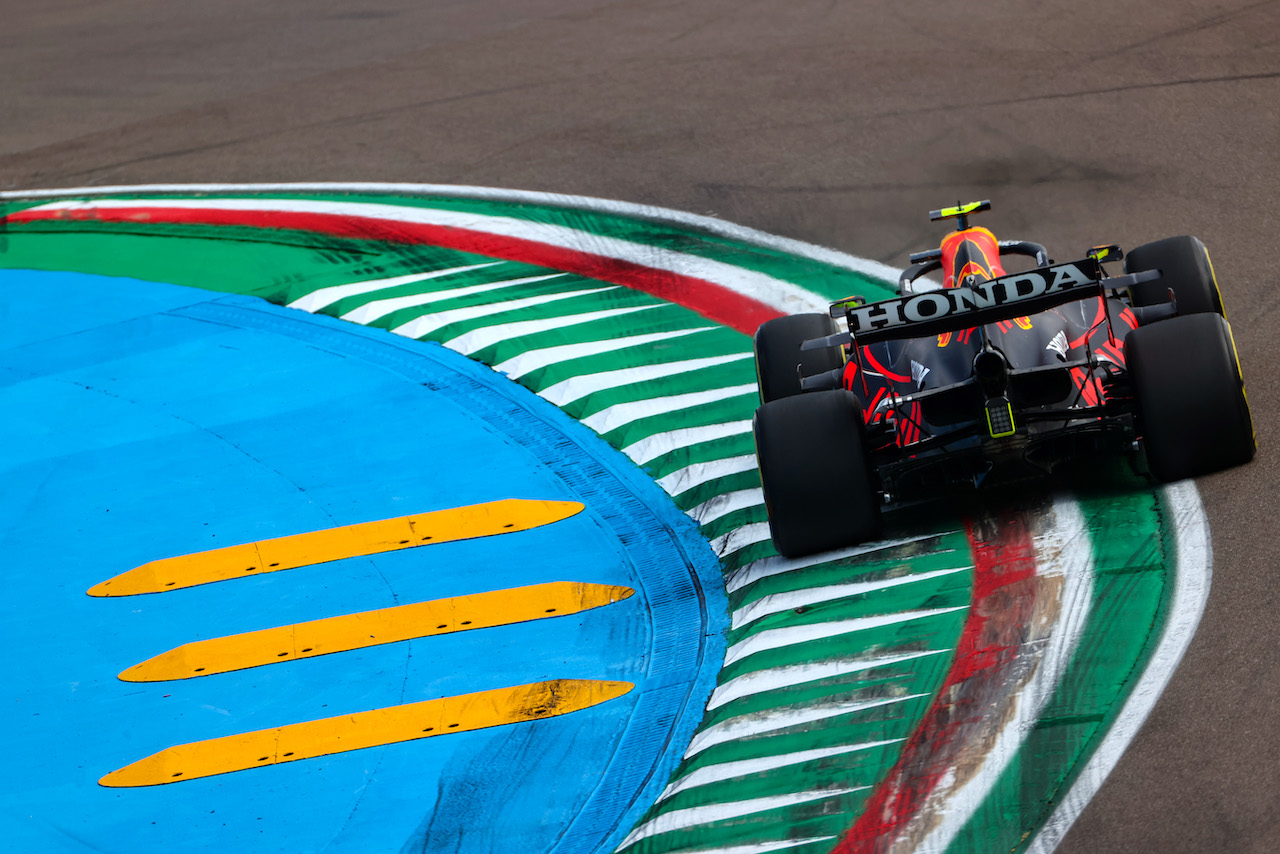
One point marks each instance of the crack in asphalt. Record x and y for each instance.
(1199, 26)
(292, 131)
(1058, 96)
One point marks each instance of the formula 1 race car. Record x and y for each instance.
(995, 377)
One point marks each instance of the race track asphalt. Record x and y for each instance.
(837, 123)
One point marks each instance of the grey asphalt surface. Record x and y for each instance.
(838, 123)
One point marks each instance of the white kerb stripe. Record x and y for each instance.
(317, 300)
(652, 447)
(726, 503)
(710, 774)
(532, 360)
(685, 479)
(471, 341)
(760, 847)
(767, 567)
(622, 414)
(792, 635)
(576, 388)
(371, 311)
(756, 723)
(740, 538)
(750, 684)
(697, 816)
(428, 323)
(776, 602)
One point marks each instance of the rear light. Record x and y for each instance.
(1000, 417)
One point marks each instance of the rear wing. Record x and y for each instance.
(952, 309)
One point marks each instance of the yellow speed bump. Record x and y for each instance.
(366, 729)
(405, 532)
(371, 628)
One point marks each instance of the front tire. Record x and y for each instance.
(1184, 267)
(779, 360)
(1195, 417)
(814, 471)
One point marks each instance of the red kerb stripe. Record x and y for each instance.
(707, 298)
(1001, 608)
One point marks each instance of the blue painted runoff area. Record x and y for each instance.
(141, 420)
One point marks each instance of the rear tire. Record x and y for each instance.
(817, 482)
(1185, 268)
(777, 346)
(1195, 417)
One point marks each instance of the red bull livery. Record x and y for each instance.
(995, 377)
